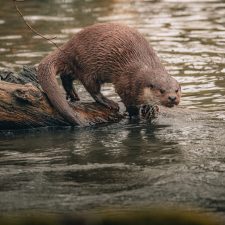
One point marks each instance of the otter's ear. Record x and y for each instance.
(179, 89)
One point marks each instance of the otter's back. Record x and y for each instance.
(110, 47)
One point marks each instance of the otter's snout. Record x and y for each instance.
(172, 100)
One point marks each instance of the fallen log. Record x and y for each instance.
(23, 105)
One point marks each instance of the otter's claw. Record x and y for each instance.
(149, 111)
(107, 102)
(111, 105)
(72, 95)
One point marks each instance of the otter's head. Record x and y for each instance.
(160, 89)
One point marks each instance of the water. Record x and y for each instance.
(179, 160)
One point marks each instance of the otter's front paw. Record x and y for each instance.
(149, 112)
(72, 96)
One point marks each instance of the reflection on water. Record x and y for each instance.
(176, 160)
(125, 164)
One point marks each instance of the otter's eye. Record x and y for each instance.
(162, 91)
(151, 86)
(177, 90)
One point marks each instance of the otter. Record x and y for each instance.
(107, 53)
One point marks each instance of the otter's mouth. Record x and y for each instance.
(171, 104)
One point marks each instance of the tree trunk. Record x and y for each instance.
(23, 105)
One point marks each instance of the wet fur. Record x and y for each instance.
(105, 53)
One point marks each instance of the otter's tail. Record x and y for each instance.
(47, 70)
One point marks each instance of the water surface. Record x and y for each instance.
(178, 160)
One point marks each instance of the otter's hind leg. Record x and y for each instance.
(94, 88)
(67, 82)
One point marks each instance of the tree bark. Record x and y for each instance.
(23, 104)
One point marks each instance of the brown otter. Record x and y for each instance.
(104, 53)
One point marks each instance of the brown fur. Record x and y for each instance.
(108, 53)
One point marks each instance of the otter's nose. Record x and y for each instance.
(172, 98)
